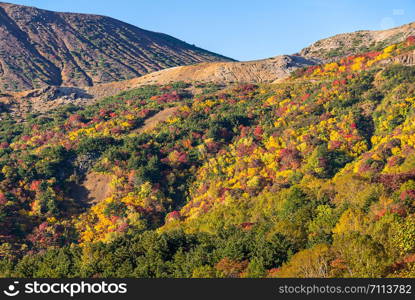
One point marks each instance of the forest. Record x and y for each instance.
(310, 177)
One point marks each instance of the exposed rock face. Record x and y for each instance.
(356, 42)
(406, 59)
(39, 47)
(51, 93)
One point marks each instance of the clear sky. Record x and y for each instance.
(246, 29)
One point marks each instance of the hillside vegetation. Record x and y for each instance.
(313, 176)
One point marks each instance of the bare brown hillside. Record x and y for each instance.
(161, 116)
(357, 42)
(259, 71)
(40, 47)
(266, 70)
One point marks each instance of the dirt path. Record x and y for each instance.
(161, 116)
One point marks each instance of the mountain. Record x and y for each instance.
(259, 71)
(80, 50)
(356, 42)
(293, 166)
(312, 176)
(39, 47)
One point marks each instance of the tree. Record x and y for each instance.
(255, 268)
(231, 268)
(362, 256)
(320, 228)
(308, 263)
(405, 235)
(204, 272)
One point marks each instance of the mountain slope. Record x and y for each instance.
(356, 42)
(311, 177)
(39, 47)
(259, 71)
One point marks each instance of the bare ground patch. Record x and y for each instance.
(94, 189)
(161, 116)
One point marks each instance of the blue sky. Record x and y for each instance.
(246, 29)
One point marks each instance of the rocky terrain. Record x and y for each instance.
(57, 60)
(67, 49)
(345, 44)
(260, 71)
(270, 70)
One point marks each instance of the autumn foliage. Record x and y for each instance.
(310, 177)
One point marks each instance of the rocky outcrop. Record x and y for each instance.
(407, 59)
(356, 42)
